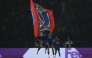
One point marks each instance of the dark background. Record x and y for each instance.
(73, 19)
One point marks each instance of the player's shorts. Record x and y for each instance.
(57, 48)
(44, 41)
(50, 41)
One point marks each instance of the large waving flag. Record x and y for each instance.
(41, 18)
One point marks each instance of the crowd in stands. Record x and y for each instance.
(16, 26)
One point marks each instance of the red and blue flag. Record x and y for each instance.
(41, 18)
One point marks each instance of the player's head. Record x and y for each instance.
(48, 28)
(43, 29)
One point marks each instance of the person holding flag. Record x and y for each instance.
(43, 41)
(50, 41)
(47, 41)
(45, 19)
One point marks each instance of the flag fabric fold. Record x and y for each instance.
(52, 22)
(35, 19)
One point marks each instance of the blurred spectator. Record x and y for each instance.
(68, 43)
